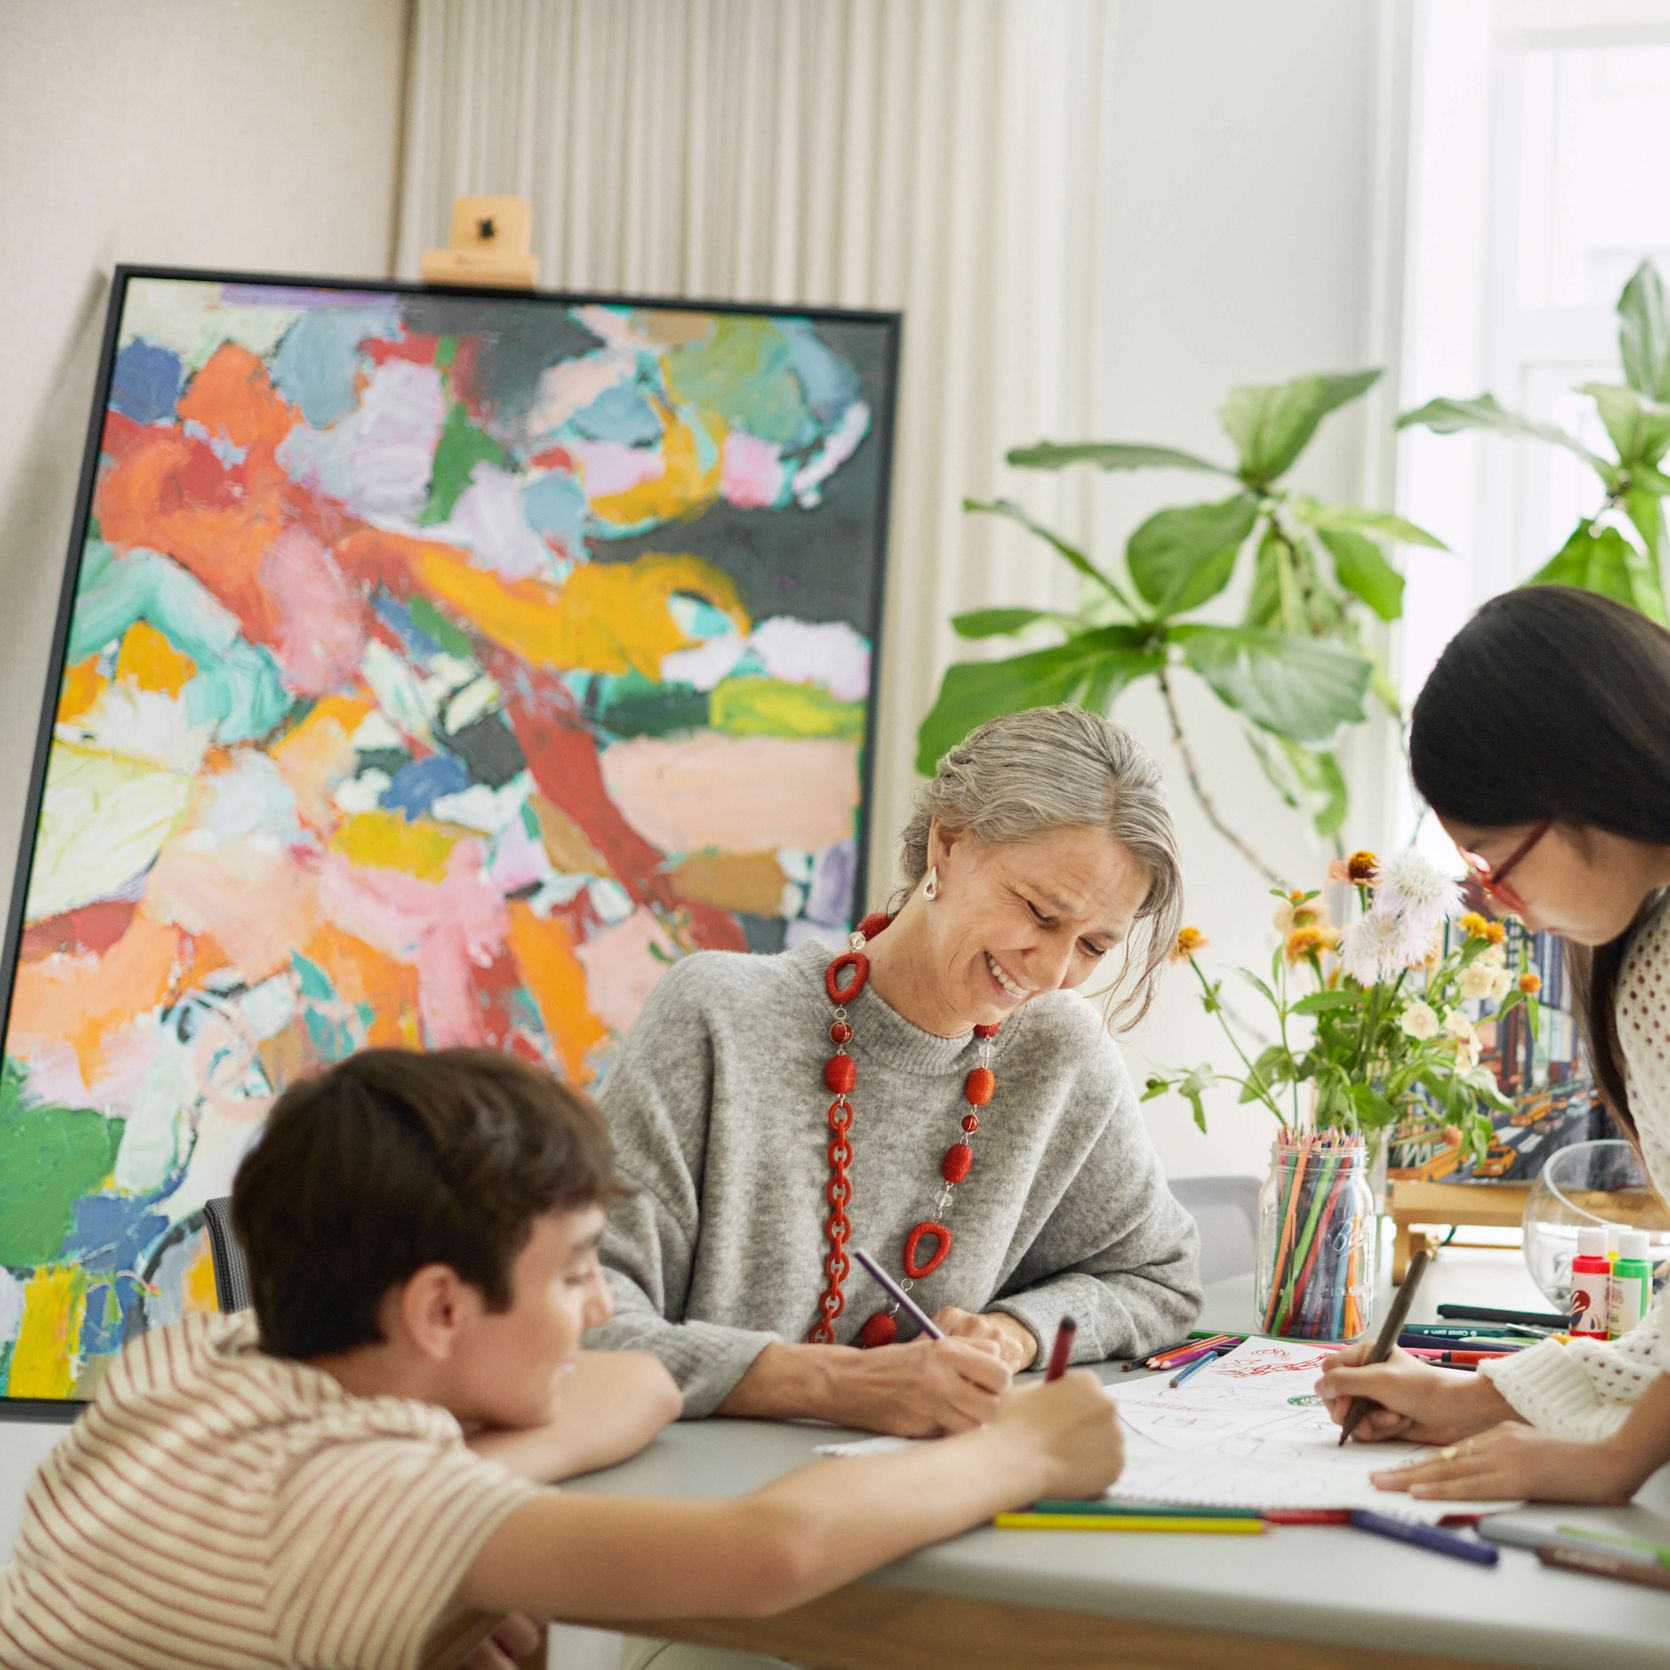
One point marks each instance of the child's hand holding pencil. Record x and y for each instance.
(1072, 1425)
(1409, 1398)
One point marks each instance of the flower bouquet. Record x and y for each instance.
(1378, 1020)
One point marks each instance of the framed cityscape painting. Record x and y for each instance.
(434, 667)
(1536, 1053)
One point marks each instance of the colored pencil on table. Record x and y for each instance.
(1599, 1563)
(1200, 1362)
(1633, 1545)
(1426, 1536)
(1175, 1355)
(1098, 1522)
(1140, 1510)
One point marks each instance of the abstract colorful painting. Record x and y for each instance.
(435, 668)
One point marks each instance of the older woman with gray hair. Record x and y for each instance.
(938, 1094)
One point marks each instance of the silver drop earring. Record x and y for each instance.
(930, 887)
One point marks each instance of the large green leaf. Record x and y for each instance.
(1451, 417)
(1074, 556)
(1644, 333)
(1377, 524)
(1364, 572)
(975, 691)
(1109, 455)
(1601, 560)
(1646, 511)
(997, 623)
(1272, 1069)
(1271, 425)
(1294, 687)
(1308, 779)
(1264, 599)
(1640, 428)
(1180, 558)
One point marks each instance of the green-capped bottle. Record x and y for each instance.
(1632, 1283)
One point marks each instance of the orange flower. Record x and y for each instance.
(1306, 942)
(1530, 983)
(1495, 932)
(1474, 925)
(1299, 910)
(1360, 868)
(1434, 955)
(1189, 941)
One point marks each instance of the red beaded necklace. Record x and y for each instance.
(844, 979)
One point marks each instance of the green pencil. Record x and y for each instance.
(1101, 1522)
(1661, 1554)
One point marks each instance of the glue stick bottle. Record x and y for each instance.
(1591, 1284)
(1632, 1283)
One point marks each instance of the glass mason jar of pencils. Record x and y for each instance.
(1318, 1237)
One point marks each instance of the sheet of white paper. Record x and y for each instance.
(1249, 1431)
(1246, 1432)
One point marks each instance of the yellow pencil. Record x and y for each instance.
(1110, 1522)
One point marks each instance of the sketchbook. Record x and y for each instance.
(1247, 1432)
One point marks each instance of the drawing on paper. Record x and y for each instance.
(437, 669)
(1237, 1435)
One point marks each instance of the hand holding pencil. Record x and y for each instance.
(1377, 1392)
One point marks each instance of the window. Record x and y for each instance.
(1536, 184)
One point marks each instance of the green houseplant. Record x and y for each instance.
(1600, 555)
(1295, 670)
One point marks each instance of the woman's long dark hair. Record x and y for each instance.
(1555, 703)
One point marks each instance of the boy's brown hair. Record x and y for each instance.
(391, 1160)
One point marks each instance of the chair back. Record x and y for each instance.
(1226, 1211)
(231, 1273)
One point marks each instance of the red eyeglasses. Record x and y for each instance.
(1494, 882)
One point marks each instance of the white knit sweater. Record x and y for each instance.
(1586, 1389)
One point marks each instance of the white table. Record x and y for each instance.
(1296, 1597)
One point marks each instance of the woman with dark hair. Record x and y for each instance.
(1541, 742)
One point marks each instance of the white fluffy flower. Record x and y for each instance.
(1377, 947)
(1415, 890)
(1419, 1020)
(1476, 981)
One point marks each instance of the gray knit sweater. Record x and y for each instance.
(717, 1106)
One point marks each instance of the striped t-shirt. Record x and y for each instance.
(219, 1507)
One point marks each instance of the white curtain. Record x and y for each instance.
(945, 157)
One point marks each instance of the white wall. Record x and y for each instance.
(218, 133)
(1237, 233)
(215, 133)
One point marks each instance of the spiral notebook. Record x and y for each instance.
(1248, 1432)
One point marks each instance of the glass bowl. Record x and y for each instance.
(1587, 1184)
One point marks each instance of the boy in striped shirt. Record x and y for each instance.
(346, 1476)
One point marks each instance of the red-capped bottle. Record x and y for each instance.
(1591, 1285)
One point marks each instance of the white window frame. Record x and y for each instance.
(1465, 328)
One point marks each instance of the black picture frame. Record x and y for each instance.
(888, 323)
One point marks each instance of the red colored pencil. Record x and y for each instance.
(1063, 1348)
(1307, 1516)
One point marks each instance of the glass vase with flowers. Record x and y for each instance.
(1374, 1024)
